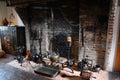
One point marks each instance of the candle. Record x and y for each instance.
(69, 39)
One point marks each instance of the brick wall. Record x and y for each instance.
(95, 34)
(94, 41)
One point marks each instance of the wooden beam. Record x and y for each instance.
(22, 2)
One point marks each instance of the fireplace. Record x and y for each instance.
(61, 45)
(93, 19)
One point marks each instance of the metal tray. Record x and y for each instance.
(47, 70)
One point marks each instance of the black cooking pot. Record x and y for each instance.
(96, 68)
(35, 58)
(20, 59)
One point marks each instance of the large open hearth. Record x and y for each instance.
(59, 39)
(10, 69)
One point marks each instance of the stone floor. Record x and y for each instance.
(11, 72)
(25, 72)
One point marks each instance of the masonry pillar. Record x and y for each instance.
(112, 35)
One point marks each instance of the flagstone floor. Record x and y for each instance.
(10, 69)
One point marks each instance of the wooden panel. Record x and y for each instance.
(117, 57)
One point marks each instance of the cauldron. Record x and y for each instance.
(35, 58)
(96, 68)
(19, 59)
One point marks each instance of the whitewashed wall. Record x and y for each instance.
(5, 12)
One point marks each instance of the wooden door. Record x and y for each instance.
(117, 57)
